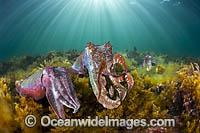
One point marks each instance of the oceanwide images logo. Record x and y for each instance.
(46, 121)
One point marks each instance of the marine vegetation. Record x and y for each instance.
(58, 87)
(7, 108)
(171, 89)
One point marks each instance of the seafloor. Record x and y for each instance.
(171, 89)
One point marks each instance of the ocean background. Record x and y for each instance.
(33, 27)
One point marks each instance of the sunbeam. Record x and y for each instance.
(36, 27)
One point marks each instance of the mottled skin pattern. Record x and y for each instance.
(98, 62)
(56, 84)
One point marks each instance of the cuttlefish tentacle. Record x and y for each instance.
(59, 90)
(53, 100)
(65, 82)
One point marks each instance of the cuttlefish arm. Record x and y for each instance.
(102, 96)
(118, 58)
(59, 90)
(120, 88)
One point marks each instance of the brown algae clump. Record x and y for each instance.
(7, 113)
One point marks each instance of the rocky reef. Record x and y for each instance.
(171, 89)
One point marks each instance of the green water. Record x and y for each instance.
(31, 27)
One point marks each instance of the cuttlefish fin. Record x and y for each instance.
(101, 68)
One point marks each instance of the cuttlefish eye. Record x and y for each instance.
(90, 45)
(49, 72)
